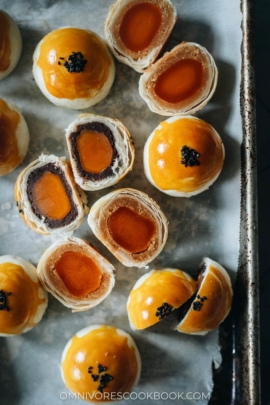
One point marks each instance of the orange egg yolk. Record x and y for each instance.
(165, 156)
(54, 53)
(50, 197)
(180, 81)
(104, 347)
(139, 26)
(95, 151)
(5, 45)
(79, 273)
(130, 230)
(217, 291)
(160, 287)
(22, 299)
(9, 153)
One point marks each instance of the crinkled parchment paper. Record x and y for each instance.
(205, 225)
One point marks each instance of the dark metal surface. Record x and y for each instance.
(237, 380)
(246, 303)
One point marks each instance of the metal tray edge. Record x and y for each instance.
(246, 367)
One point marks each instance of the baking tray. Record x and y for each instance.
(239, 373)
(237, 379)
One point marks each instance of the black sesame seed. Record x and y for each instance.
(164, 310)
(197, 306)
(59, 63)
(189, 157)
(101, 368)
(95, 377)
(3, 300)
(76, 62)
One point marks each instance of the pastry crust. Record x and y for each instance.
(140, 203)
(165, 144)
(15, 46)
(15, 279)
(212, 302)
(22, 141)
(95, 95)
(124, 151)
(139, 61)
(77, 196)
(156, 294)
(191, 104)
(52, 282)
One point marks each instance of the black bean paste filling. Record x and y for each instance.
(102, 129)
(33, 178)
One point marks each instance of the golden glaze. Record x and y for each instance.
(165, 155)
(219, 299)
(5, 45)
(95, 151)
(162, 286)
(100, 346)
(79, 273)
(23, 301)
(63, 84)
(50, 197)
(9, 153)
(139, 26)
(131, 230)
(180, 81)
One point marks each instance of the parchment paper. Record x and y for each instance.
(206, 225)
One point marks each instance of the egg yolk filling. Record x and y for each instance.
(180, 81)
(50, 196)
(100, 362)
(19, 299)
(95, 151)
(5, 45)
(9, 153)
(79, 273)
(74, 62)
(131, 230)
(139, 26)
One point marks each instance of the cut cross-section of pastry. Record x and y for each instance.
(14, 137)
(10, 44)
(101, 151)
(75, 273)
(156, 294)
(181, 82)
(73, 68)
(101, 364)
(131, 225)
(23, 301)
(212, 302)
(137, 30)
(183, 156)
(48, 198)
